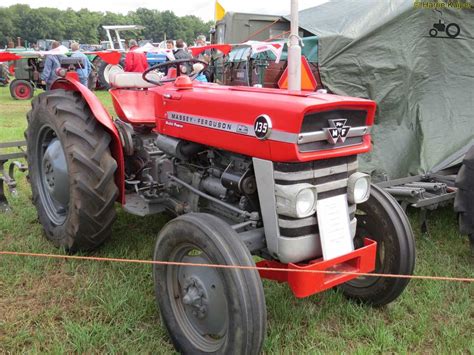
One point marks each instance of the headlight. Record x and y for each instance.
(297, 201)
(358, 188)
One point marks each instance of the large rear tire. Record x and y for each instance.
(208, 310)
(382, 219)
(71, 171)
(464, 202)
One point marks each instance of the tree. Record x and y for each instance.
(86, 26)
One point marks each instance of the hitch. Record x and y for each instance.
(7, 177)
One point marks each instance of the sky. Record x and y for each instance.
(201, 8)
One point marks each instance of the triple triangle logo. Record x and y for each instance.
(338, 131)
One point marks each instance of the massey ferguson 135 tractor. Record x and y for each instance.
(247, 171)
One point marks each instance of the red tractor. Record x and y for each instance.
(246, 171)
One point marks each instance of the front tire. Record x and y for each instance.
(382, 219)
(71, 171)
(208, 310)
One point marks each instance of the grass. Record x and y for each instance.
(58, 306)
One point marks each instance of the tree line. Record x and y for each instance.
(86, 26)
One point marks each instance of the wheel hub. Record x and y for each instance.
(202, 297)
(55, 174)
(195, 297)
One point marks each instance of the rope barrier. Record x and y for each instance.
(277, 36)
(218, 266)
(260, 31)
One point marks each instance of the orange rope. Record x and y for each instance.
(175, 263)
(260, 30)
(277, 36)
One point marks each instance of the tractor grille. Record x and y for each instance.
(330, 178)
(313, 136)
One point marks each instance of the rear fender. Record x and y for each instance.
(104, 118)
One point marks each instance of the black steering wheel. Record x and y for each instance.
(173, 63)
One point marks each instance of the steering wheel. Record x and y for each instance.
(173, 63)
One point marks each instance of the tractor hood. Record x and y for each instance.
(270, 124)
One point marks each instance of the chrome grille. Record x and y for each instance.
(313, 136)
(330, 178)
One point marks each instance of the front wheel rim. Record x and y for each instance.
(53, 178)
(22, 91)
(197, 298)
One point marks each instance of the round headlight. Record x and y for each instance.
(305, 203)
(358, 188)
(361, 188)
(296, 201)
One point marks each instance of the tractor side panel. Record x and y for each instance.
(102, 115)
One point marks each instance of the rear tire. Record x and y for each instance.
(464, 202)
(453, 30)
(382, 219)
(21, 89)
(104, 72)
(71, 171)
(228, 315)
(4, 74)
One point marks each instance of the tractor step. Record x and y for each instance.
(137, 205)
(7, 176)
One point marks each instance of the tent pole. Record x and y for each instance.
(294, 51)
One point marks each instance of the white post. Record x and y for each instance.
(111, 42)
(294, 51)
(119, 40)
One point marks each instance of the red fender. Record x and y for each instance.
(103, 116)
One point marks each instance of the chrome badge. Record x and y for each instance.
(338, 131)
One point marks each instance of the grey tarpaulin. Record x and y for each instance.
(423, 85)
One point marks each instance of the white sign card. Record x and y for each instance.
(334, 228)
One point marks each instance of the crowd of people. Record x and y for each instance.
(135, 60)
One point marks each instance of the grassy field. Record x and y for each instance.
(89, 307)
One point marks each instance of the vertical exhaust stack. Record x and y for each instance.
(294, 51)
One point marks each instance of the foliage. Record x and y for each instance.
(86, 26)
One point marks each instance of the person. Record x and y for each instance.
(135, 61)
(170, 50)
(200, 41)
(51, 63)
(197, 68)
(182, 53)
(86, 65)
(204, 56)
(170, 44)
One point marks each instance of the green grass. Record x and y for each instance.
(61, 306)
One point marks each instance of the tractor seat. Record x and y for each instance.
(127, 80)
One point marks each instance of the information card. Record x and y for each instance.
(334, 229)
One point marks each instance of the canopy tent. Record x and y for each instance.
(423, 84)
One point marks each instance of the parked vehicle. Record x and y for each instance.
(27, 71)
